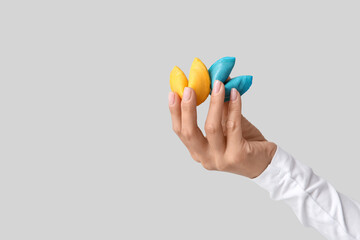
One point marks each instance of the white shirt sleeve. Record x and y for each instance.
(315, 202)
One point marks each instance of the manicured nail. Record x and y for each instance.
(233, 94)
(171, 98)
(216, 86)
(186, 94)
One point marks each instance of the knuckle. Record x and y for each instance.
(208, 165)
(248, 152)
(211, 128)
(234, 107)
(231, 125)
(177, 130)
(222, 166)
(230, 162)
(187, 107)
(214, 100)
(235, 110)
(241, 155)
(246, 148)
(196, 156)
(172, 109)
(233, 159)
(187, 133)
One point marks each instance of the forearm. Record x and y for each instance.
(315, 202)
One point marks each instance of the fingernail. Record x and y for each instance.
(171, 98)
(216, 86)
(186, 94)
(233, 94)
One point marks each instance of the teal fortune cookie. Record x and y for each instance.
(221, 70)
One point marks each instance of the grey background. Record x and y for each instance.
(86, 146)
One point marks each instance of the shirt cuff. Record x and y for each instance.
(271, 176)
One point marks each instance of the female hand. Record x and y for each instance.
(232, 143)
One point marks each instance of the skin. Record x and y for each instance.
(232, 144)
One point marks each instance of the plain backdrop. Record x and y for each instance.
(86, 145)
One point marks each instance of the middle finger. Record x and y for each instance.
(213, 127)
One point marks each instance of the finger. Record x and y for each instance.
(213, 127)
(191, 135)
(225, 113)
(225, 116)
(175, 111)
(233, 124)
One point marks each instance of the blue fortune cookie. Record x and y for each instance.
(221, 70)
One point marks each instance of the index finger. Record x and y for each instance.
(191, 134)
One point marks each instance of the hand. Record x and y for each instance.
(232, 144)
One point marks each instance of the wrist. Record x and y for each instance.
(268, 152)
(271, 150)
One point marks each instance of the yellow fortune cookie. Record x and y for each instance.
(199, 80)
